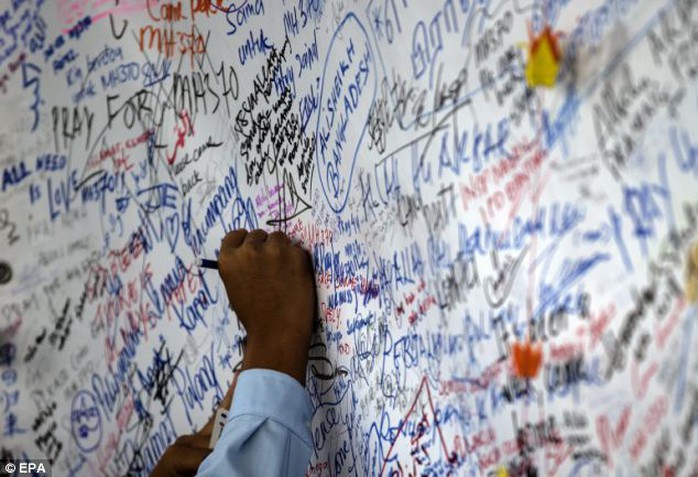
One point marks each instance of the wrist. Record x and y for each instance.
(283, 355)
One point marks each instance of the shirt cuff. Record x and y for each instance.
(273, 395)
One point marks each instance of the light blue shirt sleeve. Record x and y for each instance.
(268, 429)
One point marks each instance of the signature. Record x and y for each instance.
(497, 288)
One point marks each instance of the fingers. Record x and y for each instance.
(234, 239)
(189, 459)
(256, 236)
(237, 237)
(278, 237)
(183, 457)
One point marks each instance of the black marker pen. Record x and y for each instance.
(206, 263)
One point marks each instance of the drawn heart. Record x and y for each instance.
(172, 230)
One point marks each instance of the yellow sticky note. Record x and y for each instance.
(543, 60)
(502, 472)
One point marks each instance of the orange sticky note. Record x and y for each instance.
(527, 359)
(544, 56)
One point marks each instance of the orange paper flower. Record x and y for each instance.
(527, 359)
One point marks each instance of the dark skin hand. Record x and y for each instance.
(183, 458)
(270, 286)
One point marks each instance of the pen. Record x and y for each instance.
(206, 263)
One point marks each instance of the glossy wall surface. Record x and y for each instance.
(507, 275)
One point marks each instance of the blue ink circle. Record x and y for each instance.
(85, 421)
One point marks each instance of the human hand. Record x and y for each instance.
(270, 286)
(185, 455)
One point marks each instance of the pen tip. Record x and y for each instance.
(198, 262)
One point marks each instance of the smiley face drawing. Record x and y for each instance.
(85, 421)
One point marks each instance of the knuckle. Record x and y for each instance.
(233, 234)
(278, 234)
(257, 234)
(232, 238)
